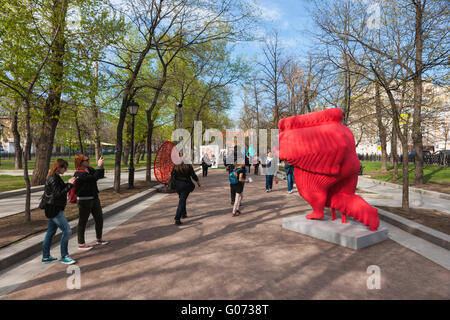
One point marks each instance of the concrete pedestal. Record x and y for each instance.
(352, 234)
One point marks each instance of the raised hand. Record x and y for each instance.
(100, 161)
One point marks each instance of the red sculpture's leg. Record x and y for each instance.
(343, 217)
(333, 214)
(314, 189)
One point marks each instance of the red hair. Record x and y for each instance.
(79, 160)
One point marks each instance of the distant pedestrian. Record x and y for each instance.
(182, 174)
(256, 163)
(87, 198)
(55, 193)
(289, 176)
(247, 163)
(237, 180)
(206, 163)
(269, 177)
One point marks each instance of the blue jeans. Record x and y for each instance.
(269, 182)
(290, 181)
(59, 221)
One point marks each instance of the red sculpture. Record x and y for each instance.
(163, 162)
(323, 152)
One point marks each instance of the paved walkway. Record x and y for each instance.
(15, 204)
(389, 196)
(216, 256)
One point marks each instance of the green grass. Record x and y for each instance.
(432, 174)
(8, 164)
(8, 182)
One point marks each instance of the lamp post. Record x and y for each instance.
(133, 110)
(180, 115)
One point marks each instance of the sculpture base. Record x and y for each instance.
(352, 234)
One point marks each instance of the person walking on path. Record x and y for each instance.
(256, 163)
(55, 193)
(206, 162)
(289, 176)
(237, 180)
(269, 177)
(87, 198)
(182, 174)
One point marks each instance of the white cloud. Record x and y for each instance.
(270, 14)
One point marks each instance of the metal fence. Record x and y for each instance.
(432, 160)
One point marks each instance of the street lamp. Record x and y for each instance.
(180, 116)
(133, 110)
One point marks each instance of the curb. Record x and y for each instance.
(433, 194)
(436, 237)
(428, 234)
(15, 253)
(12, 193)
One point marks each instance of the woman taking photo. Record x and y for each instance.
(55, 202)
(87, 198)
(182, 174)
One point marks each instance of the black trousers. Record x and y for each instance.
(183, 189)
(86, 207)
(205, 170)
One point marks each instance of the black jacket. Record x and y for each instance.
(86, 183)
(185, 176)
(56, 194)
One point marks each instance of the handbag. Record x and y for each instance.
(172, 185)
(44, 202)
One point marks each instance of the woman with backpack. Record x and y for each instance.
(88, 202)
(182, 174)
(55, 193)
(237, 180)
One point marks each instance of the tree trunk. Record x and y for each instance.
(126, 154)
(150, 125)
(95, 113)
(52, 107)
(417, 117)
(43, 151)
(381, 128)
(77, 125)
(25, 167)
(17, 147)
(394, 157)
(405, 189)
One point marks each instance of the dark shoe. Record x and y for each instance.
(185, 216)
(178, 222)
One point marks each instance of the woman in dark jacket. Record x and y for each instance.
(87, 198)
(182, 174)
(55, 202)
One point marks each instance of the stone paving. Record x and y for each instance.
(216, 256)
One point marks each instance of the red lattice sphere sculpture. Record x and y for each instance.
(163, 162)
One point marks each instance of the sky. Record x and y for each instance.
(292, 21)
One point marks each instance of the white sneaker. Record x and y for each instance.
(290, 192)
(84, 247)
